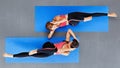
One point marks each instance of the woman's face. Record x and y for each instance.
(71, 49)
(53, 27)
(68, 45)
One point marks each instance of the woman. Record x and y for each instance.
(49, 48)
(73, 19)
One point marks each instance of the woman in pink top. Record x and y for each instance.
(49, 48)
(72, 19)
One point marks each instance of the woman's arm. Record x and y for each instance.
(70, 32)
(51, 33)
(66, 53)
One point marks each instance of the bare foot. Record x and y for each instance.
(112, 14)
(7, 55)
(87, 18)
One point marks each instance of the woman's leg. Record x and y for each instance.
(47, 50)
(8, 55)
(98, 14)
(48, 45)
(23, 54)
(77, 15)
(41, 53)
(82, 15)
(101, 14)
(88, 17)
(104, 14)
(112, 14)
(26, 54)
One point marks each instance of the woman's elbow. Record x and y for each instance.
(66, 54)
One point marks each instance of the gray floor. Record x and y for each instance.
(98, 50)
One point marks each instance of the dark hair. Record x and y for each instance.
(74, 44)
(49, 25)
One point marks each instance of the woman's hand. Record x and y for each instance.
(51, 34)
(66, 53)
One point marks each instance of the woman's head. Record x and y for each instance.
(74, 44)
(49, 26)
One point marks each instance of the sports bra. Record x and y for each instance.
(59, 46)
(62, 24)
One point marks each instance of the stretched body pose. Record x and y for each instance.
(49, 48)
(72, 19)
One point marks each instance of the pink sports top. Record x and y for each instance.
(59, 46)
(62, 24)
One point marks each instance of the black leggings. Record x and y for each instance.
(40, 54)
(81, 16)
(47, 50)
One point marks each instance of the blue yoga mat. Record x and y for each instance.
(17, 45)
(43, 14)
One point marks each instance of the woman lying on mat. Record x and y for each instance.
(73, 19)
(49, 48)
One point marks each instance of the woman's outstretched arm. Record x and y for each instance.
(68, 34)
(51, 33)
